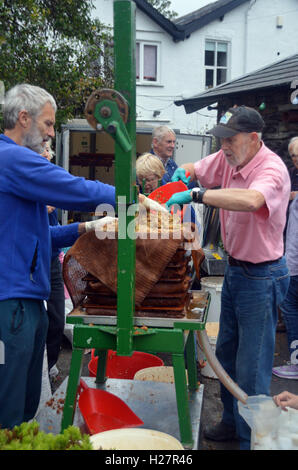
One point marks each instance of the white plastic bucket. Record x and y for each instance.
(157, 374)
(213, 285)
(134, 439)
(212, 332)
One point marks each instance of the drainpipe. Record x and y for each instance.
(251, 3)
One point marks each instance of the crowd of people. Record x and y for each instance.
(257, 199)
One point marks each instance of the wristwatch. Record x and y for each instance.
(197, 195)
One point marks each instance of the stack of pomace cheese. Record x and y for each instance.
(162, 277)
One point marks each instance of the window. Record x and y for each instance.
(216, 63)
(147, 60)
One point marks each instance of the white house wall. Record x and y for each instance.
(254, 42)
(176, 80)
(176, 77)
(267, 43)
(192, 71)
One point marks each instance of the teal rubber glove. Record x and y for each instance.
(181, 174)
(184, 197)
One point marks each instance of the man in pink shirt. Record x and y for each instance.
(253, 198)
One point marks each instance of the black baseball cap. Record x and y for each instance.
(238, 119)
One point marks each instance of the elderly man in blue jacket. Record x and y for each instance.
(28, 182)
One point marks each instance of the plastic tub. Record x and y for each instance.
(135, 439)
(213, 285)
(212, 333)
(124, 367)
(157, 374)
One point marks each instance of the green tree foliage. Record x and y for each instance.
(56, 45)
(163, 6)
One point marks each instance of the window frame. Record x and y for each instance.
(141, 80)
(216, 67)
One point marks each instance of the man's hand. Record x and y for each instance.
(184, 197)
(181, 174)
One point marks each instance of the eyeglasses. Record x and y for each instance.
(151, 179)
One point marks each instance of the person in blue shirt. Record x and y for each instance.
(289, 306)
(163, 146)
(56, 300)
(28, 183)
(55, 304)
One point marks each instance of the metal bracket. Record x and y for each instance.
(107, 110)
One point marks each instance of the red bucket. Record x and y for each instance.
(124, 367)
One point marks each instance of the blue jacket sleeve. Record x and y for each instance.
(31, 176)
(64, 235)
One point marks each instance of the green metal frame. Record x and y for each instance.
(174, 341)
(125, 83)
(123, 337)
(168, 340)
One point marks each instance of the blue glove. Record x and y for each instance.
(184, 197)
(180, 174)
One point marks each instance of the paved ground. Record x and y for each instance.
(212, 405)
(212, 408)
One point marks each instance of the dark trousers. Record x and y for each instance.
(56, 313)
(23, 330)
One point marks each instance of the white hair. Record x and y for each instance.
(292, 140)
(160, 131)
(25, 97)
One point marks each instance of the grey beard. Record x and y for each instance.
(33, 141)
